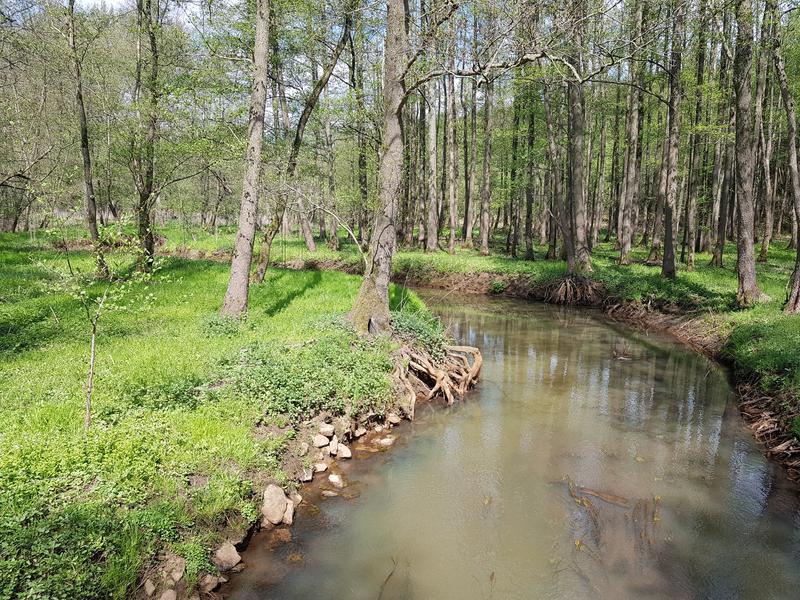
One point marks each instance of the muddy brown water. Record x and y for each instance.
(592, 461)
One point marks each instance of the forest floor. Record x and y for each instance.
(83, 513)
(760, 343)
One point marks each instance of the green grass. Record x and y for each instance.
(763, 344)
(172, 456)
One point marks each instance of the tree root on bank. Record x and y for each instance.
(772, 427)
(422, 375)
(574, 290)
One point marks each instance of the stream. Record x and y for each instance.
(592, 461)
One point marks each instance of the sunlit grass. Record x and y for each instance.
(99, 503)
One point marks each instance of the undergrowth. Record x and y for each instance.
(173, 449)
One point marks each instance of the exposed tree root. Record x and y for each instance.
(772, 425)
(423, 376)
(574, 290)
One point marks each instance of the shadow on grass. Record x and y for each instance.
(284, 290)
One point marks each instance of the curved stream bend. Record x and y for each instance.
(592, 461)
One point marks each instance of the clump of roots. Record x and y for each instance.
(574, 290)
(451, 378)
(772, 424)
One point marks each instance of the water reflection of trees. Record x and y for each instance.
(656, 420)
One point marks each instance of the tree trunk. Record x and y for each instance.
(371, 310)
(631, 182)
(291, 163)
(90, 204)
(513, 186)
(236, 296)
(695, 178)
(558, 204)
(486, 192)
(673, 113)
(748, 292)
(792, 305)
(471, 177)
(452, 149)
(144, 156)
(577, 123)
(530, 185)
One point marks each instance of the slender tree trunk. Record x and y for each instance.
(631, 182)
(144, 156)
(431, 97)
(792, 305)
(559, 201)
(87, 409)
(673, 112)
(89, 202)
(614, 203)
(291, 163)
(465, 146)
(530, 186)
(452, 147)
(514, 190)
(471, 175)
(236, 296)
(577, 122)
(486, 192)
(371, 310)
(600, 188)
(695, 177)
(748, 292)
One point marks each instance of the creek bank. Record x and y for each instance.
(313, 458)
(768, 414)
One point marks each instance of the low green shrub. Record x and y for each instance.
(498, 286)
(422, 328)
(337, 372)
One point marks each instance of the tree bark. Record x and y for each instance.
(452, 149)
(673, 114)
(688, 248)
(486, 192)
(577, 123)
(89, 202)
(530, 184)
(748, 292)
(431, 89)
(558, 204)
(144, 156)
(236, 296)
(470, 177)
(631, 182)
(371, 310)
(792, 305)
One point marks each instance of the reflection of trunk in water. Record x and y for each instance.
(614, 535)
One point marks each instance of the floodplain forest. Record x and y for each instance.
(212, 215)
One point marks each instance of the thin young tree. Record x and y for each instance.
(89, 201)
(673, 138)
(236, 296)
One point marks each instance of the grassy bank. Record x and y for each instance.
(761, 343)
(191, 412)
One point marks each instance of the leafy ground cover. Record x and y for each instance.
(191, 412)
(762, 344)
